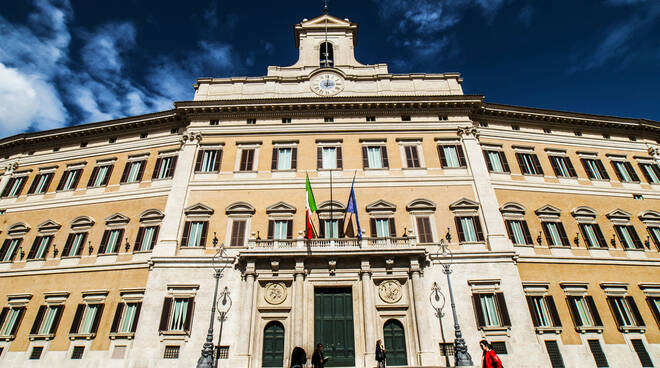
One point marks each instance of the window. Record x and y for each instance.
(424, 231)
(10, 320)
(280, 229)
(577, 133)
(563, 167)
(86, 320)
(144, 135)
(518, 232)
(371, 118)
(405, 117)
(35, 354)
(112, 139)
(543, 311)
(14, 186)
(328, 119)
(47, 320)
(286, 120)
(284, 158)
(133, 171)
(41, 183)
(40, 247)
(443, 117)
(177, 314)
(83, 144)
(9, 249)
(625, 311)
(251, 121)
(651, 172)
(654, 304)
(554, 354)
(238, 233)
(496, 161)
(100, 175)
(592, 235)
(111, 241)
(326, 55)
(547, 130)
(126, 318)
(595, 169)
(194, 234)
(208, 160)
(74, 245)
(222, 352)
(374, 157)
(515, 127)
(328, 157)
(412, 156)
(491, 310)
(171, 352)
(383, 227)
(655, 235)
(597, 352)
(146, 238)
(625, 172)
(451, 156)
(331, 229)
(469, 229)
(77, 352)
(642, 353)
(447, 349)
(164, 167)
(214, 122)
(555, 234)
(499, 347)
(584, 312)
(247, 159)
(69, 180)
(529, 163)
(628, 237)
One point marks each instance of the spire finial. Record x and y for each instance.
(325, 7)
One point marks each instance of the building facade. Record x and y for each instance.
(110, 231)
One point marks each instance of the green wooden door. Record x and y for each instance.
(333, 325)
(395, 343)
(273, 351)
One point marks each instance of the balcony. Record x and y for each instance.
(341, 243)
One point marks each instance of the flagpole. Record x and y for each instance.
(331, 204)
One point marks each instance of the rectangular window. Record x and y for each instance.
(625, 172)
(412, 156)
(518, 232)
(10, 320)
(126, 318)
(164, 167)
(554, 354)
(328, 119)
(642, 353)
(496, 161)
(247, 159)
(592, 236)
(40, 247)
(171, 352)
(651, 172)
(424, 231)
(100, 176)
(14, 187)
(69, 180)
(529, 163)
(555, 234)
(286, 120)
(77, 352)
(628, 237)
(331, 229)
(584, 312)
(625, 311)
(251, 121)
(41, 183)
(194, 234)
(177, 314)
(597, 352)
(383, 227)
(74, 245)
(374, 157)
(405, 118)
(563, 167)
(469, 229)
(595, 169)
(9, 249)
(87, 318)
(655, 235)
(47, 320)
(133, 171)
(451, 156)
(371, 118)
(238, 228)
(146, 238)
(543, 311)
(284, 158)
(111, 241)
(328, 157)
(35, 354)
(491, 310)
(208, 160)
(280, 229)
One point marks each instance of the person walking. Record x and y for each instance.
(490, 359)
(380, 354)
(318, 360)
(298, 357)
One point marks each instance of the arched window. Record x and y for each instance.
(326, 55)
(273, 348)
(395, 343)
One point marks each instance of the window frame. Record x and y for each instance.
(504, 163)
(82, 315)
(169, 305)
(627, 166)
(6, 322)
(414, 148)
(11, 184)
(643, 164)
(128, 168)
(585, 159)
(5, 248)
(384, 160)
(66, 251)
(536, 169)
(241, 149)
(47, 176)
(217, 160)
(78, 170)
(556, 159)
(93, 178)
(170, 170)
(293, 160)
(458, 151)
(36, 245)
(337, 145)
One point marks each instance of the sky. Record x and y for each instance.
(70, 62)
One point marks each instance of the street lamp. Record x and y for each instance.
(224, 305)
(206, 360)
(446, 258)
(437, 299)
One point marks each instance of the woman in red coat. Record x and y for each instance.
(490, 359)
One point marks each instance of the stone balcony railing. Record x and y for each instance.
(355, 243)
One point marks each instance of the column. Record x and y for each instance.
(495, 228)
(427, 354)
(245, 333)
(299, 299)
(369, 309)
(176, 200)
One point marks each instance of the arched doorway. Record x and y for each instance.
(395, 343)
(273, 348)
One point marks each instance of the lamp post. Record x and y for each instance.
(224, 305)
(206, 360)
(446, 258)
(437, 299)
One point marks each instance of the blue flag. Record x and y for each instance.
(351, 207)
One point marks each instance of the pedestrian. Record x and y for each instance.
(318, 360)
(380, 354)
(490, 359)
(298, 357)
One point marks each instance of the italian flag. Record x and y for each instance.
(310, 207)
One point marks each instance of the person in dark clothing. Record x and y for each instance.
(318, 360)
(298, 357)
(380, 354)
(490, 359)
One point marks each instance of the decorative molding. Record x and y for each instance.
(468, 132)
(280, 208)
(56, 297)
(48, 227)
(381, 206)
(390, 291)
(465, 207)
(420, 205)
(240, 208)
(548, 212)
(619, 216)
(614, 288)
(198, 210)
(275, 293)
(19, 300)
(575, 288)
(584, 214)
(650, 289)
(94, 296)
(18, 229)
(117, 220)
(513, 211)
(82, 223)
(151, 215)
(485, 285)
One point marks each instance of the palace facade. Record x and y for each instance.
(109, 231)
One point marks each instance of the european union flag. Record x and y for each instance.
(351, 207)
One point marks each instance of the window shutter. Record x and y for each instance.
(250, 160)
(124, 174)
(441, 154)
(550, 302)
(271, 228)
(82, 244)
(562, 234)
(117, 318)
(38, 319)
(218, 160)
(504, 312)
(505, 163)
(294, 158)
(372, 223)
(459, 229)
(165, 314)
(383, 153)
(19, 319)
(340, 224)
(49, 179)
(646, 174)
(289, 229)
(365, 157)
(636, 240)
(62, 181)
(528, 236)
(107, 175)
(537, 164)
(170, 171)
(461, 156)
(546, 232)
(154, 239)
(481, 322)
(141, 171)
(555, 165)
(409, 156)
(138, 307)
(599, 235)
(159, 161)
(238, 233)
(509, 231)
(631, 171)
(138, 240)
(340, 164)
(92, 177)
(104, 242)
(56, 321)
(186, 232)
(34, 248)
(601, 169)
(10, 183)
(532, 311)
(33, 186)
(205, 230)
(392, 227)
(424, 234)
(119, 238)
(616, 170)
(77, 318)
(594, 311)
(571, 168)
(3, 315)
(13, 254)
(67, 245)
(572, 306)
(322, 229)
(319, 157)
(639, 321)
(489, 164)
(586, 168)
(615, 311)
(199, 160)
(97, 318)
(273, 165)
(523, 168)
(656, 312)
(189, 314)
(477, 228)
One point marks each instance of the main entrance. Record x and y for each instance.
(333, 325)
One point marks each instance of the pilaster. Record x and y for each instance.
(426, 355)
(299, 300)
(368, 312)
(244, 338)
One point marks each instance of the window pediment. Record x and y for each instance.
(334, 207)
(48, 226)
(464, 206)
(650, 218)
(513, 210)
(548, 211)
(584, 213)
(280, 208)
(381, 206)
(420, 205)
(240, 208)
(151, 215)
(619, 216)
(198, 210)
(117, 219)
(18, 229)
(82, 222)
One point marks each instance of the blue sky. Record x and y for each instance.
(68, 62)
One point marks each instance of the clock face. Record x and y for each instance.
(327, 84)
